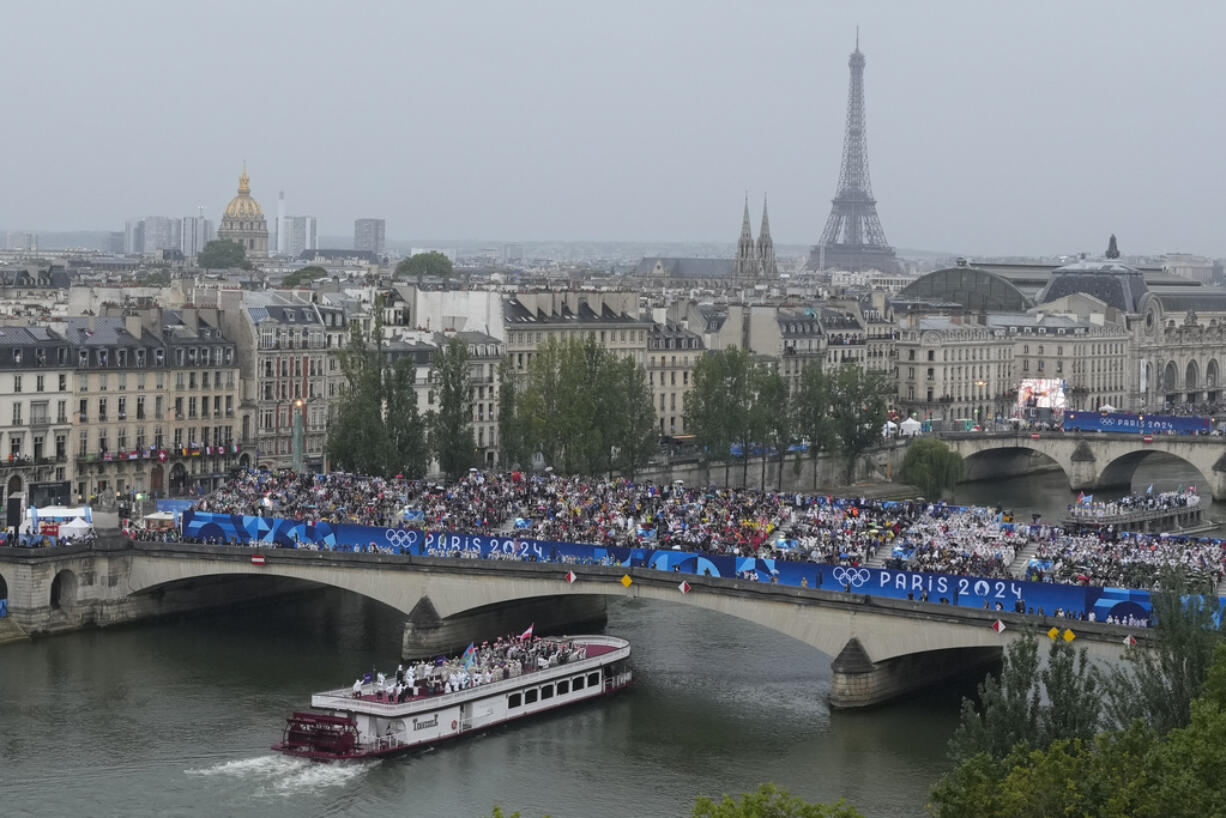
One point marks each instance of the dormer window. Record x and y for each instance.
(16, 356)
(103, 357)
(83, 358)
(140, 358)
(159, 357)
(121, 358)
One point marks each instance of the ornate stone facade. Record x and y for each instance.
(244, 222)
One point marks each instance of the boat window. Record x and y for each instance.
(578, 682)
(546, 691)
(593, 679)
(563, 687)
(514, 700)
(530, 696)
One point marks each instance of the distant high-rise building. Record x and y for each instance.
(368, 234)
(134, 236)
(301, 233)
(22, 241)
(243, 221)
(114, 241)
(196, 232)
(161, 233)
(281, 237)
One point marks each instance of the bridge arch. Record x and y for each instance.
(63, 590)
(1120, 471)
(4, 588)
(1007, 461)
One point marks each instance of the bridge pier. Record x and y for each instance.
(858, 681)
(428, 634)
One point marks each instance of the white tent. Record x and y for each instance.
(75, 528)
(889, 428)
(910, 427)
(1106, 407)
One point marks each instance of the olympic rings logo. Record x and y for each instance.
(855, 577)
(400, 537)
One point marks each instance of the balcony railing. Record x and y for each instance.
(22, 461)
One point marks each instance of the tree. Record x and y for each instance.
(1161, 678)
(857, 407)
(433, 264)
(222, 254)
(812, 413)
(585, 409)
(769, 801)
(511, 437)
(773, 416)
(451, 432)
(704, 410)
(376, 428)
(931, 465)
(304, 276)
(719, 410)
(634, 434)
(158, 278)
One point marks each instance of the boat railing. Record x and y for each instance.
(1140, 515)
(342, 698)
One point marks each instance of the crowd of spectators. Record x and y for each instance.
(911, 535)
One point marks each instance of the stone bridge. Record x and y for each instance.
(882, 648)
(1094, 460)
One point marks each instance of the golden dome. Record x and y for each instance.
(243, 206)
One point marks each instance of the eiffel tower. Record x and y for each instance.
(853, 238)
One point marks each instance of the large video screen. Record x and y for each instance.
(1041, 393)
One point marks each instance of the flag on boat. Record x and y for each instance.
(469, 653)
(1081, 497)
(528, 633)
(1150, 490)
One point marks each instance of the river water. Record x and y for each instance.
(175, 718)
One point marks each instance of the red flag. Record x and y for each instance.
(528, 633)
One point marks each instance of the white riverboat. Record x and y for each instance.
(367, 722)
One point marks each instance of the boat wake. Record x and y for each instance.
(276, 775)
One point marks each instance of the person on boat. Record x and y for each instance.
(357, 688)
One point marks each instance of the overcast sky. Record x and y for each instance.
(1003, 128)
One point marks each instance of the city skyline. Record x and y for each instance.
(993, 131)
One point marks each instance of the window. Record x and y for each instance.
(63, 383)
(530, 696)
(563, 687)
(546, 692)
(514, 700)
(16, 383)
(578, 682)
(593, 679)
(39, 383)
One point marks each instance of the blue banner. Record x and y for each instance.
(1134, 424)
(4, 608)
(973, 592)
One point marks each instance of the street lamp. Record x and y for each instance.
(298, 404)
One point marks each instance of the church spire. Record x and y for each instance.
(746, 265)
(766, 247)
(244, 184)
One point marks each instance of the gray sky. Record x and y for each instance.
(1009, 128)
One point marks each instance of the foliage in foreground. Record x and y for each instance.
(1033, 747)
(932, 466)
(768, 801)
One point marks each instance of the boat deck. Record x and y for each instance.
(593, 651)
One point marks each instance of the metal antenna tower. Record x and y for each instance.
(853, 238)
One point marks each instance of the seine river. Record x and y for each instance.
(175, 718)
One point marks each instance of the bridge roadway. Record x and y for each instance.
(1095, 459)
(882, 648)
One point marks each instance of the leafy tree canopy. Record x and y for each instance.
(222, 254)
(931, 465)
(421, 265)
(304, 276)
